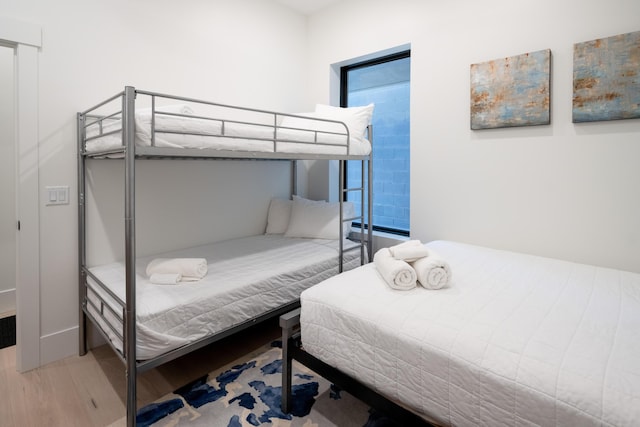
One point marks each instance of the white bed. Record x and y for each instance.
(178, 126)
(246, 277)
(514, 340)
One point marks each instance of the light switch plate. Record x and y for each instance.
(57, 195)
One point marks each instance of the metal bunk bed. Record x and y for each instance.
(92, 125)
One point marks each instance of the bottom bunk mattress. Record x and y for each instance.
(513, 339)
(246, 278)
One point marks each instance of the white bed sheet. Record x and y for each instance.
(237, 136)
(514, 340)
(246, 277)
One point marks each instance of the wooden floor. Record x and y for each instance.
(90, 390)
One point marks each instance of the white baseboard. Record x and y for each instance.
(58, 345)
(63, 344)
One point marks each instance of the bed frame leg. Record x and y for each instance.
(288, 322)
(286, 375)
(82, 334)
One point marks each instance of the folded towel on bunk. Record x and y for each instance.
(409, 251)
(433, 272)
(397, 273)
(165, 278)
(191, 269)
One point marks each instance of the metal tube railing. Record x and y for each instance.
(269, 122)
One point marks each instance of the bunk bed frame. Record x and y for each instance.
(130, 153)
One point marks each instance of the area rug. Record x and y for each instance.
(248, 393)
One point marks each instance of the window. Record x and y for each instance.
(384, 81)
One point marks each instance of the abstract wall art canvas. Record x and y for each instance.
(606, 79)
(513, 91)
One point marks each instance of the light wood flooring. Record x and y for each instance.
(7, 314)
(90, 390)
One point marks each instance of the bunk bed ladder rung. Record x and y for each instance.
(351, 248)
(346, 190)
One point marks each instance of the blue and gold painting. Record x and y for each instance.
(512, 91)
(606, 80)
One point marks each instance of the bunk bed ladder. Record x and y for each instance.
(366, 193)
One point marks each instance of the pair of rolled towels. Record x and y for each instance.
(171, 271)
(405, 265)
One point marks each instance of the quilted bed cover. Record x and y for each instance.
(513, 340)
(246, 277)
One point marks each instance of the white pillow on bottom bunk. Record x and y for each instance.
(317, 219)
(278, 216)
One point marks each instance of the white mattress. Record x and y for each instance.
(514, 340)
(246, 277)
(211, 134)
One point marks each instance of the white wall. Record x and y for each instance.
(7, 184)
(563, 190)
(180, 205)
(569, 191)
(233, 51)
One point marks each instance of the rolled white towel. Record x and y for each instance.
(191, 269)
(165, 278)
(433, 272)
(409, 251)
(397, 273)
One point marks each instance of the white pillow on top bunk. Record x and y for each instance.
(356, 118)
(317, 219)
(303, 129)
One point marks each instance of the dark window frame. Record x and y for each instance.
(344, 92)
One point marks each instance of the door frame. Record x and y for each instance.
(26, 40)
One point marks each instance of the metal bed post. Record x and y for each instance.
(82, 257)
(128, 134)
(363, 241)
(341, 216)
(370, 195)
(294, 177)
(287, 322)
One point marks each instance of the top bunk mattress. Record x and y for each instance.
(246, 277)
(179, 126)
(513, 340)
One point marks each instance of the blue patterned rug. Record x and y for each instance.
(248, 394)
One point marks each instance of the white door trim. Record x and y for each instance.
(26, 39)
